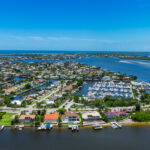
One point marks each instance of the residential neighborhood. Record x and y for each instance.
(63, 93)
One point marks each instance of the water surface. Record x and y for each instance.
(127, 138)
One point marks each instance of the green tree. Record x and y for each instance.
(137, 107)
(28, 86)
(62, 110)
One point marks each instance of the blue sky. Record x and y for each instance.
(122, 25)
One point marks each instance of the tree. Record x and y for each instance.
(141, 116)
(15, 120)
(62, 110)
(37, 120)
(137, 107)
(28, 86)
(23, 104)
(80, 82)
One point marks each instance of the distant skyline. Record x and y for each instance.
(98, 25)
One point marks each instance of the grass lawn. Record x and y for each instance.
(7, 118)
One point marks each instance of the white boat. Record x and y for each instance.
(2, 127)
(75, 128)
(69, 126)
(19, 127)
(97, 127)
(116, 125)
(42, 127)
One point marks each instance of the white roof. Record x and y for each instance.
(92, 113)
(16, 102)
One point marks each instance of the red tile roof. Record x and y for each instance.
(51, 116)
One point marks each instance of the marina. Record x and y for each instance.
(102, 89)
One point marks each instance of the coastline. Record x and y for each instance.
(105, 125)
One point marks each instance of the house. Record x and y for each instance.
(126, 79)
(68, 88)
(10, 91)
(17, 102)
(70, 117)
(106, 78)
(115, 78)
(91, 116)
(51, 118)
(26, 118)
(50, 102)
(111, 115)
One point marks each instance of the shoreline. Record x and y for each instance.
(105, 125)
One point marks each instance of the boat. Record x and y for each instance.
(44, 127)
(97, 127)
(19, 127)
(116, 125)
(2, 127)
(69, 126)
(48, 126)
(75, 128)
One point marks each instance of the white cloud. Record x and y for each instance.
(36, 37)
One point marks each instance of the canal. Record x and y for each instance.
(127, 138)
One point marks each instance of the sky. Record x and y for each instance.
(102, 25)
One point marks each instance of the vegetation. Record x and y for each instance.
(15, 120)
(81, 122)
(62, 110)
(104, 117)
(137, 107)
(28, 86)
(141, 116)
(7, 119)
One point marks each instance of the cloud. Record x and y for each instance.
(66, 39)
(81, 39)
(59, 38)
(36, 37)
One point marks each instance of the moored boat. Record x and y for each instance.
(97, 127)
(2, 127)
(116, 125)
(19, 127)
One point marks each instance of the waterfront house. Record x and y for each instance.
(68, 88)
(91, 116)
(9, 91)
(26, 118)
(51, 118)
(115, 78)
(106, 78)
(70, 117)
(126, 79)
(111, 115)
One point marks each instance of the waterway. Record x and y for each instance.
(139, 68)
(127, 138)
